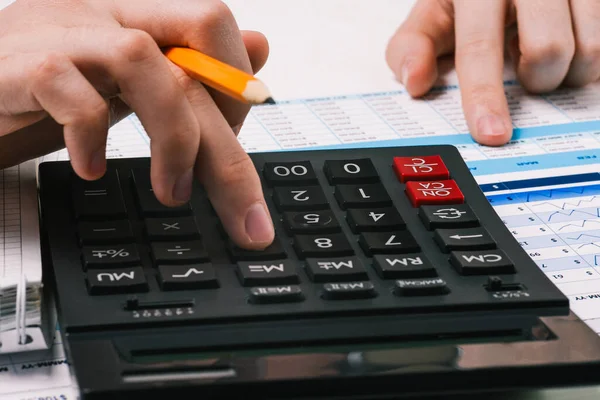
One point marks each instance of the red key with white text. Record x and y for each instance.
(434, 192)
(420, 168)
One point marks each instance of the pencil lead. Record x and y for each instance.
(269, 100)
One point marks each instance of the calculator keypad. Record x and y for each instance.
(352, 232)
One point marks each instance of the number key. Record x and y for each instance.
(375, 219)
(289, 173)
(359, 196)
(335, 245)
(311, 222)
(301, 198)
(350, 171)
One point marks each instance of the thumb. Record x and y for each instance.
(412, 52)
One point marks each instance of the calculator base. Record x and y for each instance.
(554, 352)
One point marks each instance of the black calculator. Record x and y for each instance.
(390, 275)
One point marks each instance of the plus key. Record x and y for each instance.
(434, 192)
(420, 168)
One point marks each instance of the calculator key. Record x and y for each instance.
(403, 266)
(147, 201)
(273, 273)
(420, 168)
(114, 281)
(276, 294)
(274, 251)
(420, 287)
(388, 242)
(110, 256)
(434, 192)
(350, 171)
(187, 277)
(348, 290)
(100, 232)
(463, 239)
(178, 252)
(300, 198)
(335, 269)
(362, 196)
(374, 219)
(171, 228)
(485, 262)
(289, 173)
(330, 245)
(455, 216)
(310, 222)
(101, 198)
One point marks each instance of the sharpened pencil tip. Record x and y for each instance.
(269, 100)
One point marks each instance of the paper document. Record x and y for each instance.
(556, 220)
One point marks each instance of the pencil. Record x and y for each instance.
(220, 76)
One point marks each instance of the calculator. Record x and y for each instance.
(390, 275)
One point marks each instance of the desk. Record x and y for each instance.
(342, 42)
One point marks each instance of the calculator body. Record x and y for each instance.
(407, 282)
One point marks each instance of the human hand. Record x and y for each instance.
(558, 42)
(71, 69)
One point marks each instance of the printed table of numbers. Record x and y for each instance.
(560, 229)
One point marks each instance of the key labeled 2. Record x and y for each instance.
(299, 198)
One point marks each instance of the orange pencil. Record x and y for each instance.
(220, 76)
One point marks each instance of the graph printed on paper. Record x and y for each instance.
(560, 230)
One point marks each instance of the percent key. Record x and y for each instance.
(110, 256)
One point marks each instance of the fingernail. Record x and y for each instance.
(259, 226)
(491, 125)
(182, 190)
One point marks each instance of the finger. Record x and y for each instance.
(412, 52)
(585, 66)
(546, 43)
(147, 85)
(479, 65)
(257, 47)
(43, 137)
(228, 174)
(207, 26)
(72, 102)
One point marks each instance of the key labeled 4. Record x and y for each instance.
(434, 192)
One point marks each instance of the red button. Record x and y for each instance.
(420, 168)
(434, 192)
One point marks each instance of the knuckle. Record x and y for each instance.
(216, 21)
(50, 66)
(236, 167)
(217, 13)
(136, 45)
(547, 51)
(477, 46)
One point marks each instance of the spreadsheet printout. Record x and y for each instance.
(551, 203)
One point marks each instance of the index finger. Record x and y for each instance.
(479, 27)
(207, 26)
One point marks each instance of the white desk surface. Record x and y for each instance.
(342, 42)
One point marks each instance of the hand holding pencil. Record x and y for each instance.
(89, 64)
